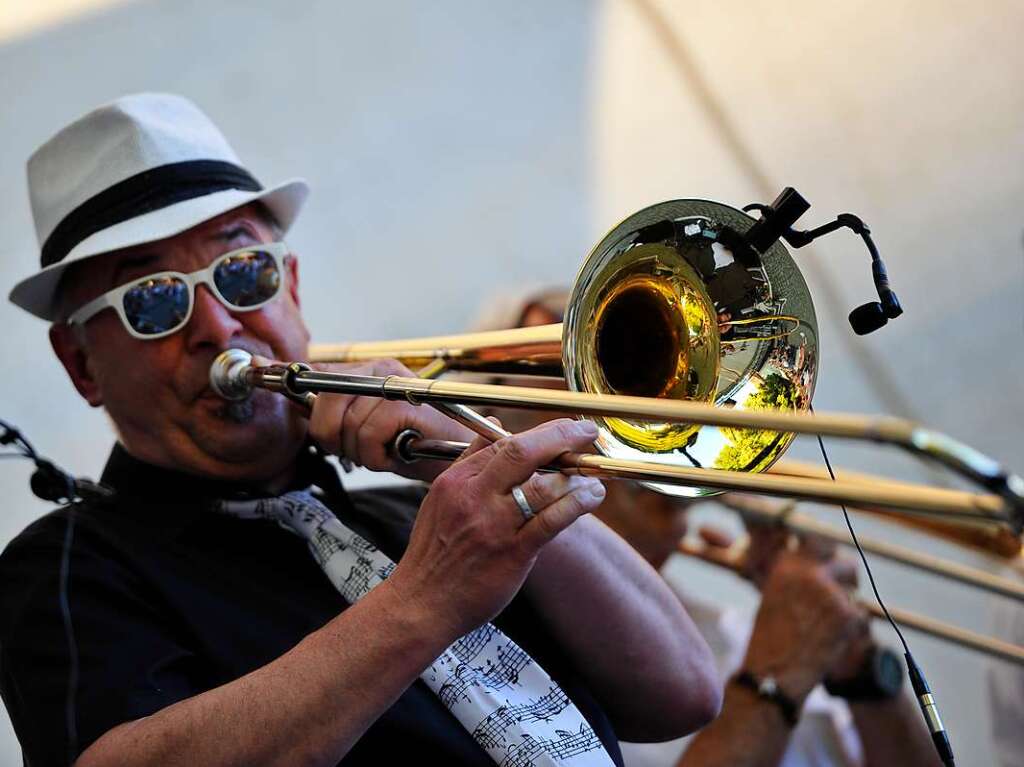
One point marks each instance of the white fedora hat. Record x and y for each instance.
(145, 167)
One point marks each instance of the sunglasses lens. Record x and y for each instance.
(157, 305)
(247, 279)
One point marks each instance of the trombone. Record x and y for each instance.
(693, 346)
(784, 516)
(690, 339)
(234, 376)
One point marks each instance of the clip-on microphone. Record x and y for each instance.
(777, 221)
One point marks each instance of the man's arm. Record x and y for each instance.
(307, 707)
(468, 555)
(807, 628)
(892, 732)
(750, 732)
(609, 610)
(803, 627)
(626, 632)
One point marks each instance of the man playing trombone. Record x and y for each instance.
(195, 617)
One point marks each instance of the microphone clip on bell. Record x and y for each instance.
(777, 221)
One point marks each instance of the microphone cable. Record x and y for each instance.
(51, 483)
(925, 699)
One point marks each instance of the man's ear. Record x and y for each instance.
(73, 355)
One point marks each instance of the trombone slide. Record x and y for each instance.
(731, 559)
(233, 376)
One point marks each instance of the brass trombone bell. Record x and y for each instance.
(671, 304)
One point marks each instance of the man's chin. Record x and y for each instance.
(216, 413)
(237, 412)
(244, 432)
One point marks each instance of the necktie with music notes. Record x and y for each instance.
(501, 695)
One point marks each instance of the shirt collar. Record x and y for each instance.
(171, 499)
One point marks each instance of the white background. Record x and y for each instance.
(459, 148)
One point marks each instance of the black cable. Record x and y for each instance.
(917, 679)
(856, 543)
(51, 483)
(70, 719)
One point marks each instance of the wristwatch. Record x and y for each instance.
(767, 688)
(880, 677)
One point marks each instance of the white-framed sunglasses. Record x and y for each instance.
(160, 304)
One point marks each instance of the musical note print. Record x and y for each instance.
(501, 695)
(495, 674)
(491, 732)
(324, 546)
(455, 686)
(505, 670)
(564, 746)
(466, 648)
(358, 580)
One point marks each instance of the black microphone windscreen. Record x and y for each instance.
(867, 318)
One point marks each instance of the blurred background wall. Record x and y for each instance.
(457, 149)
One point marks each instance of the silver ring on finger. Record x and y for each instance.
(523, 504)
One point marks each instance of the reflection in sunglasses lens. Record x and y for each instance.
(156, 305)
(247, 279)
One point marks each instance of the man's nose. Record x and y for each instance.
(211, 323)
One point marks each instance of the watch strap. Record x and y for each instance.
(880, 677)
(767, 688)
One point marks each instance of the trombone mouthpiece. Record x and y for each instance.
(227, 374)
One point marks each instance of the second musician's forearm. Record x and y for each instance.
(750, 732)
(626, 632)
(893, 732)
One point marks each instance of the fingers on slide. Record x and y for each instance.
(515, 459)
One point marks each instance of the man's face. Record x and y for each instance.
(157, 391)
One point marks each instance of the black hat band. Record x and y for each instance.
(143, 193)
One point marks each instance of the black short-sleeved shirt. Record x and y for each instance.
(166, 598)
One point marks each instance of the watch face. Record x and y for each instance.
(888, 669)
